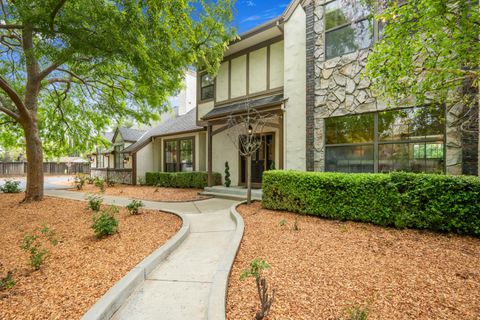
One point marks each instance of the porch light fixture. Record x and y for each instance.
(250, 129)
(125, 159)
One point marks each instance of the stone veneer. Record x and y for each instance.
(342, 89)
(123, 176)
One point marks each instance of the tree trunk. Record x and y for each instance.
(34, 190)
(249, 179)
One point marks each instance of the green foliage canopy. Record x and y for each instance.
(100, 61)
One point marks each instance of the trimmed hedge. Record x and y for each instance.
(198, 180)
(402, 200)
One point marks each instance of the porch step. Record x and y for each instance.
(233, 193)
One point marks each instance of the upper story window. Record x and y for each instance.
(206, 87)
(348, 28)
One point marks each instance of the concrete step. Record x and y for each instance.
(236, 191)
(236, 197)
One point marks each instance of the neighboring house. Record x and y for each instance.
(305, 70)
(113, 163)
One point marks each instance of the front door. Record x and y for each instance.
(262, 160)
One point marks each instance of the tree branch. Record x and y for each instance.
(10, 113)
(13, 95)
(54, 14)
(11, 26)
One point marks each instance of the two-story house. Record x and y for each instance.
(305, 69)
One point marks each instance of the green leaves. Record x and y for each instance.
(257, 266)
(429, 53)
(402, 200)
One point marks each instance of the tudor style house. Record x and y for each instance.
(305, 69)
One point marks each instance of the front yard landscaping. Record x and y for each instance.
(81, 267)
(327, 267)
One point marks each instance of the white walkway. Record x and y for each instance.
(179, 287)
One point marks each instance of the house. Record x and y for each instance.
(304, 70)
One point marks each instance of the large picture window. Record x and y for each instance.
(179, 155)
(348, 27)
(207, 86)
(410, 139)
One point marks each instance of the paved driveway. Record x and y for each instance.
(50, 183)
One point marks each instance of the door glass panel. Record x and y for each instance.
(186, 155)
(170, 156)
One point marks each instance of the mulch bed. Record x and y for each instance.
(328, 267)
(81, 268)
(147, 193)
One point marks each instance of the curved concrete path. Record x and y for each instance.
(180, 286)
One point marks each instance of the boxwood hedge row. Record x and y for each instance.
(197, 180)
(402, 200)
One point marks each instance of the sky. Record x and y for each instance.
(251, 13)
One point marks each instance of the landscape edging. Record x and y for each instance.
(218, 292)
(113, 299)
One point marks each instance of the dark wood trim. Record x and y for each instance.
(199, 88)
(274, 107)
(281, 142)
(250, 33)
(254, 48)
(220, 130)
(210, 155)
(178, 164)
(134, 166)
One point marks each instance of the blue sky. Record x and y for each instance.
(251, 13)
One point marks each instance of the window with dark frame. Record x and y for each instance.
(179, 155)
(411, 139)
(207, 86)
(348, 28)
(100, 159)
(118, 156)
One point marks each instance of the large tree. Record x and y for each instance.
(430, 52)
(69, 68)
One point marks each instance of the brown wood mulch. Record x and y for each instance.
(327, 267)
(81, 268)
(147, 193)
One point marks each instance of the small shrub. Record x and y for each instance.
(94, 202)
(356, 312)
(198, 180)
(282, 222)
(11, 187)
(100, 183)
(90, 180)
(8, 281)
(256, 271)
(34, 244)
(105, 223)
(141, 181)
(228, 182)
(110, 182)
(80, 180)
(134, 206)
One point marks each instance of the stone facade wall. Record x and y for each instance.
(119, 176)
(341, 89)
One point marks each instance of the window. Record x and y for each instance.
(118, 156)
(100, 159)
(206, 87)
(410, 139)
(347, 28)
(179, 155)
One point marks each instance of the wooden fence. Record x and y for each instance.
(52, 168)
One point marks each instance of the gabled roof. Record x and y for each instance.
(108, 136)
(128, 134)
(181, 124)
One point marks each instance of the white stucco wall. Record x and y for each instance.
(277, 64)
(239, 77)
(203, 109)
(295, 92)
(222, 82)
(144, 161)
(258, 71)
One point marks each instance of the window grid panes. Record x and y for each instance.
(410, 139)
(100, 162)
(118, 157)
(179, 155)
(207, 85)
(348, 28)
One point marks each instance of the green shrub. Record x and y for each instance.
(134, 206)
(7, 282)
(228, 181)
(34, 244)
(403, 200)
(198, 180)
(80, 180)
(94, 202)
(11, 187)
(100, 183)
(105, 223)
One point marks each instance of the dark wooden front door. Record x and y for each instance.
(262, 160)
